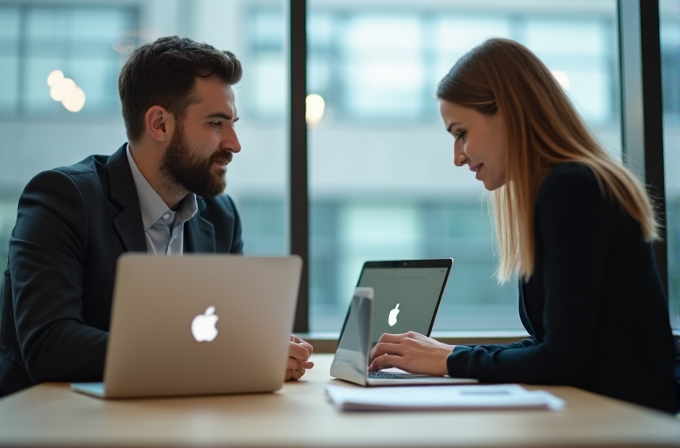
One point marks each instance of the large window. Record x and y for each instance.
(381, 180)
(382, 184)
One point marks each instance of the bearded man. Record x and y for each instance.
(159, 193)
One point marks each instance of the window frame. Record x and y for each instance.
(642, 107)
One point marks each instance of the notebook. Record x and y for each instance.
(198, 324)
(490, 397)
(351, 359)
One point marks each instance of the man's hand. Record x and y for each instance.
(411, 352)
(298, 358)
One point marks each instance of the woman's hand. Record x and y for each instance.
(411, 352)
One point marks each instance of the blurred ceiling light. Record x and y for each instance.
(66, 90)
(315, 106)
(54, 77)
(75, 100)
(562, 78)
(62, 88)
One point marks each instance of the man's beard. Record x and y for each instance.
(190, 171)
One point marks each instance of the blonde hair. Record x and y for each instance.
(543, 131)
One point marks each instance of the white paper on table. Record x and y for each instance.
(469, 397)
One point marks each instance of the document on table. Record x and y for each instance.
(415, 398)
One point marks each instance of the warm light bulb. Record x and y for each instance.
(75, 100)
(62, 89)
(315, 106)
(54, 77)
(562, 78)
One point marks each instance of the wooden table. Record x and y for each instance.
(50, 415)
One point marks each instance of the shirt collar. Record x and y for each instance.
(151, 204)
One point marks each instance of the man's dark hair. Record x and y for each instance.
(163, 73)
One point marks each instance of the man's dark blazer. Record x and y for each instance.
(595, 308)
(72, 224)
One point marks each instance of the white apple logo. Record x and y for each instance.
(203, 325)
(392, 318)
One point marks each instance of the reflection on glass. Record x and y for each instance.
(382, 184)
(670, 71)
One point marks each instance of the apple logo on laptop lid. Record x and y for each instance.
(392, 318)
(203, 326)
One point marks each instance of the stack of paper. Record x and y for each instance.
(411, 398)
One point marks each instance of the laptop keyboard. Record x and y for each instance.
(382, 376)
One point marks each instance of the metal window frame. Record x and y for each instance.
(642, 106)
(299, 179)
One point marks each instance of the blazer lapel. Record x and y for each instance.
(199, 233)
(130, 228)
(128, 223)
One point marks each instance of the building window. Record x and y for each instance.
(88, 44)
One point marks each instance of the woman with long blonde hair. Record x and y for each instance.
(572, 222)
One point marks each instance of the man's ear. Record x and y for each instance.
(159, 124)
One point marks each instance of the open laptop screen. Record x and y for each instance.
(406, 294)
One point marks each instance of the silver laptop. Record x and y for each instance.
(351, 359)
(198, 324)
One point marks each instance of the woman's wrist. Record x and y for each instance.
(447, 352)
